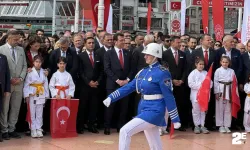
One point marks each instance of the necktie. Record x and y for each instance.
(63, 54)
(121, 58)
(206, 57)
(91, 59)
(176, 57)
(13, 54)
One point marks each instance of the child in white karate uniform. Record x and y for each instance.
(35, 91)
(195, 79)
(246, 121)
(61, 84)
(223, 78)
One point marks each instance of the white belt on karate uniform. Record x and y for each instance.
(152, 97)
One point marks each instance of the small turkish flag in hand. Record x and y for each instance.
(63, 118)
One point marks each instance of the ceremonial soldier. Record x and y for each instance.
(154, 84)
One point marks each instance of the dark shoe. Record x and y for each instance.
(80, 131)
(182, 129)
(14, 135)
(107, 131)
(5, 136)
(93, 129)
(118, 130)
(1, 138)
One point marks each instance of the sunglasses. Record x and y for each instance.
(167, 40)
(99, 30)
(218, 45)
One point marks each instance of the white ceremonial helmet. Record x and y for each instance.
(153, 49)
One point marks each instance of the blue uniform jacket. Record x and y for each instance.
(152, 80)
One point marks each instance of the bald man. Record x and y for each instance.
(241, 47)
(232, 53)
(89, 34)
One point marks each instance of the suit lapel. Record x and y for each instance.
(86, 57)
(171, 56)
(200, 51)
(125, 59)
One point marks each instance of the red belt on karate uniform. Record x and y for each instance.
(63, 89)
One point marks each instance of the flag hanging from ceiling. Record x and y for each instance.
(246, 23)
(205, 13)
(218, 18)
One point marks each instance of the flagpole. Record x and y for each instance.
(54, 18)
(82, 18)
(76, 16)
(101, 13)
(239, 19)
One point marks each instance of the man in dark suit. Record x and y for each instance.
(177, 64)
(207, 53)
(246, 62)
(233, 54)
(107, 45)
(192, 43)
(99, 38)
(91, 75)
(245, 57)
(64, 51)
(117, 66)
(4, 81)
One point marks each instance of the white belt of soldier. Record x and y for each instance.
(152, 97)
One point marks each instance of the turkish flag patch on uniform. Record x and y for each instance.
(63, 115)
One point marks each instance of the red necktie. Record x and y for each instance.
(121, 58)
(91, 59)
(176, 57)
(206, 57)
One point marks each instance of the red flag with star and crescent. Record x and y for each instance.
(63, 115)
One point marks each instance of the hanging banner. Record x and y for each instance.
(245, 36)
(218, 19)
(205, 13)
(227, 3)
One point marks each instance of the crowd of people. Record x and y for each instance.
(90, 66)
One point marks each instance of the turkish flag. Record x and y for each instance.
(175, 5)
(235, 98)
(28, 116)
(205, 13)
(171, 130)
(149, 17)
(218, 18)
(203, 94)
(94, 4)
(63, 114)
(238, 35)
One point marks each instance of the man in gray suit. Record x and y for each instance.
(18, 68)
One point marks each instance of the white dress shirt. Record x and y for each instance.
(228, 53)
(92, 54)
(203, 49)
(63, 52)
(106, 48)
(173, 51)
(117, 52)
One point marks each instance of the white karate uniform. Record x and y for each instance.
(62, 79)
(37, 101)
(223, 107)
(246, 121)
(195, 80)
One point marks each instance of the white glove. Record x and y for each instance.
(177, 125)
(107, 102)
